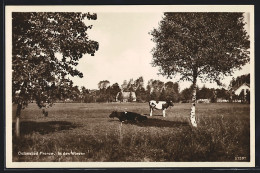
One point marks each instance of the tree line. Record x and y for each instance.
(154, 90)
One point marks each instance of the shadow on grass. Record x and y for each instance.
(153, 122)
(154, 115)
(28, 127)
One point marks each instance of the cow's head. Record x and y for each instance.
(170, 103)
(113, 114)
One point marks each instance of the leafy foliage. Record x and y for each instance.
(162, 95)
(131, 85)
(172, 91)
(186, 94)
(120, 97)
(155, 87)
(204, 93)
(141, 94)
(222, 93)
(248, 96)
(130, 99)
(103, 85)
(205, 45)
(38, 74)
(237, 82)
(242, 96)
(115, 89)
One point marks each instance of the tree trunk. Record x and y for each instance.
(17, 122)
(193, 108)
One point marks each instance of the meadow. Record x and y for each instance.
(83, 132)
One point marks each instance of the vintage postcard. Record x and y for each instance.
(130, 86)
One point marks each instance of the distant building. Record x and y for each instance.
(244, 87)
(203, 101)
(237, 90)
(221, 100)
(125, 96)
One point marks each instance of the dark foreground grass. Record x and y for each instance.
(223, 134)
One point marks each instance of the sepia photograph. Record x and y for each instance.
(130, 86)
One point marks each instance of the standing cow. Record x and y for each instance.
(159, 105)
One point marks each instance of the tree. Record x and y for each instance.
(222, 93)
(141, 94)
(247, 96)
(241, 96)
(130, 85)
(138, 83)
(109, 97)
(186, 95)
(139, 89)
(213, 95)
(120, 97)
(208, 46)
(37, 40)
(91, 96)
(155, 87)
(162, 95)
(103, 85)
(75, 94)
(115, 89)
(148, 95)
(172, 91)
(204, 93)
(131, 98)
(124, 85)
(154, 96)
(104, 91)
(84, 94)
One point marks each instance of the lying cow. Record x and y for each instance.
(159, 105)
(128, 116)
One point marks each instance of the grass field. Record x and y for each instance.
(223, 134)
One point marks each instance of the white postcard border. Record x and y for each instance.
(121, 9)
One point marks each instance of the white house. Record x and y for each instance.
(221, 100)
(126, 96)
(203, 101)
(244, 87)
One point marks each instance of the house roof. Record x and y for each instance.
(238, 86)
(239, 89)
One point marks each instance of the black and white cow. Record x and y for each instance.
(159, 105)
(128, 116)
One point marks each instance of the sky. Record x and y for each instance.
(125, 51)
